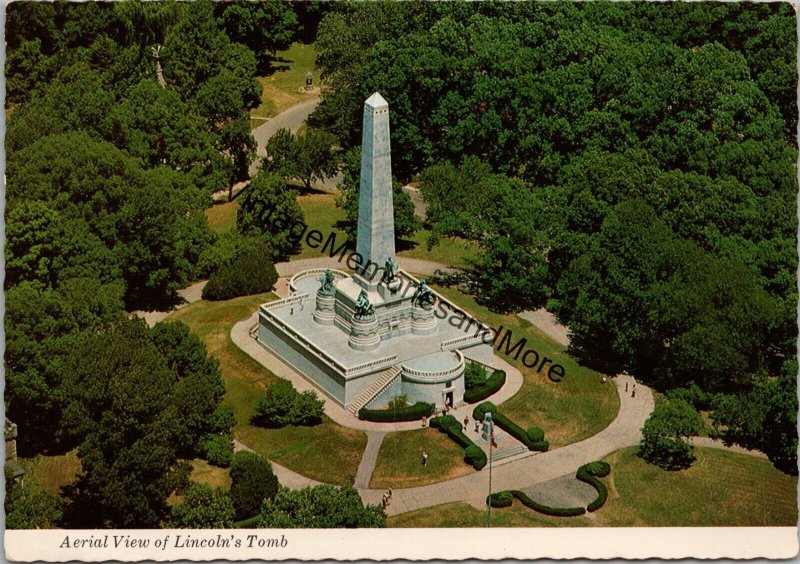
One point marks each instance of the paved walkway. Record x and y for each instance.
(708, 442)
(190, 294)
(290, 119)
(534, 469)
(547, 323)
(369, 458)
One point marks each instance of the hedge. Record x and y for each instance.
(449, 425)
(492, 385)
(500, 499)
(408, 413)
(587, 473)
(510, 427)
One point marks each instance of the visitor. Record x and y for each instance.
(384, 501)
(477, 425)
(494, 443)
(424, 458)
(424, 421)
(466, 423)
(291, 310)
(603, 380)
(626, 386)
(633, 391)
(390, 493)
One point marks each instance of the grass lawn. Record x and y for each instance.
(222, 217)
(573, 409)
(321, 213)
(721, 489)
(214, 476)
(310, 451)
(399, 462)
(451, 251)
(280, 90)
(52, 472)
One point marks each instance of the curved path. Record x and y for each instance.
(291, 119)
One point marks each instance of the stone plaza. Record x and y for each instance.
(379, 333)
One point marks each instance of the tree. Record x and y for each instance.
(130, 467)
(269, 210)
(250, 272)
(282, 405)
(264, 27)
(28, 506)
(664, 433)
(252, 482)
(320, 507)
(308, 156)
(203, 507)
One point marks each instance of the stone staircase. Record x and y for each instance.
(498, 455)
(383, 381)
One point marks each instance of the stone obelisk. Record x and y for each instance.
(375, 236)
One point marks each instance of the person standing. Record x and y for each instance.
(424, 458)
(477, 426)
(466, 423)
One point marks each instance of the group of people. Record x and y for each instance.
(386, 498)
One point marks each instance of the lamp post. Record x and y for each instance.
(489, 426)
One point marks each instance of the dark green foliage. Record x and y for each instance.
(510, 427)
(252, 482)
(474, 375)
(475, 457)
(28, 506)
(269, 210)
(489, 387)
(764, 417)
(128, 468)
(264, 27)
(408, 413)
(251, 271)
(500, 499)
(218, 450)
(282, 405)
(535, 434)
(447, 424)
(308, 157)
(691, 394)
(320, 507)
(665, 432)
(203, 507)
(588, 473)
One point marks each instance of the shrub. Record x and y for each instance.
(535, 434)
(223, 419)
(510, 427)
(475, 457)
(203, 507)
(251, 272)
(282, 405)
(252, 481)
(546, 509)
(448, 424)
(408, 413)
(500, 499)
(474, 375)
(218, 450)
(587, 473)
(306, 410)
(398, 402)
(489, 387)
(692, 394)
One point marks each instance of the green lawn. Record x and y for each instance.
(328, 452)
(575, 408)
(399, 462)
(280, 90)
(451, 251)
(214, 476)
(320, 213)
(721, 489)
(51, 473)
(222, 217)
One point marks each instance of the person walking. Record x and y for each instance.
(390, 492)
(466, 423)
(477, 426)
(424, 458)
(633, 392)
(291, 310)
(626, 386)
(424, 421)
